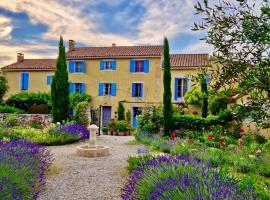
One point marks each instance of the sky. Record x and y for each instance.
(33, 27)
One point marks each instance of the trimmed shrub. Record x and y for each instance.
(10, 109)
(76, 98)
(25, 100)
(122, 126)
(120, 112)
(80, 115)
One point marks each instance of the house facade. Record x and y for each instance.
(128, 74)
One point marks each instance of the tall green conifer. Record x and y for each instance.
(60, 87)
(167, 95)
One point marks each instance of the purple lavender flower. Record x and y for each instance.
(181, 177)
(142, 150)
(24, 165)
(78, 130)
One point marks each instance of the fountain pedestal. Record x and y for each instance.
(92, 149)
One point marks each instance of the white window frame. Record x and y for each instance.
(109, 89)
(139, 60)
(181, 99)
(142, 89)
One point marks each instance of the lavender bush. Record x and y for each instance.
(22, 169)
(180, 177)
(78, 130)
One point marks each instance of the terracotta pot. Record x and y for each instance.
(121, 133)
(105, 133)
(114, 133)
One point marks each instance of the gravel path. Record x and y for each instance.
(89, 178)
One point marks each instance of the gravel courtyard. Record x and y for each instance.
(89, 178)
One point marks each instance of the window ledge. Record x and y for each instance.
(78, 73)
(139, 72)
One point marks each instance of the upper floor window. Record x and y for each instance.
(181, 87)
(49, 79)
(137, 89)
(139, 66)
(108, 65)
(24, 82)
(78, 67)
(77, 88)
(107, 89)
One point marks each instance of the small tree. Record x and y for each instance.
(80, 113)
(167, 95)
(128, 117)
(204, 97)
(3, 87)
(121, 111)
(60, 87)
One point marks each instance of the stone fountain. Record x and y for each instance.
(92, 149)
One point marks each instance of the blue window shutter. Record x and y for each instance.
(187, 85)
(113, 65)
(49, 80)
(132, 66)
(100, 89)
(114, 89)
(71, 88)
(83, 66)
(83, 88)
(101, 64)
(71, 66)
(175, 88)
(26, 81)
(71, 112)
(133, 90)
(141, 95)
(146, 66)
(21, 81)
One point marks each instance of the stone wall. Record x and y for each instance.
(24, 119)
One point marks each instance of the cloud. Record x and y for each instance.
(198, 47)
(5, 28)
(81, 21)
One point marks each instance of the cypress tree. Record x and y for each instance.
(60, 87)
(120, 111)
(167, 95)
(205, 96)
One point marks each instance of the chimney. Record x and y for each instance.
(71, 45)
(113, 45)
(20, 57)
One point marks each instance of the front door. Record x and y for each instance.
(106, 115)
(136, 112)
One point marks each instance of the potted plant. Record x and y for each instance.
(105, 130)
(112, 127)
(122, 127)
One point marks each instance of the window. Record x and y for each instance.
(181, 87)
(137, 90)
(49, 80)
(78, 87)
(139, 66)
(78, 67)
(107, 65)
(107, 89)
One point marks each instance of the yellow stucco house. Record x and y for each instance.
(130, 74)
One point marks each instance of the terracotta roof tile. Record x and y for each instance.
(32, 65)
(116, 52)
(188, 60)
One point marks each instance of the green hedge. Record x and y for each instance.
(28, 101)
(10, 109)
(152, 122)
(195, 122)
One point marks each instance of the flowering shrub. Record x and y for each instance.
(37, 122)
(22, 169)
(76, 130)
(179, 177)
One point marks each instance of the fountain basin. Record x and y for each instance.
(92, 151)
